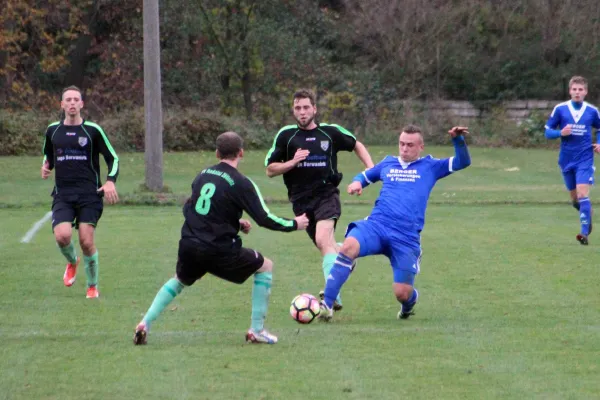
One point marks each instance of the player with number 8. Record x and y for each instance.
(210, 242)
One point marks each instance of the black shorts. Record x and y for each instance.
(193, 263)
(319, 208)
(77, 209)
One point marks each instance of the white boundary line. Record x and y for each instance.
(36, 227)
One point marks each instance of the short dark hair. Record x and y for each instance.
(229, 145)
(72, 87)
(412, 129)
(306, 94)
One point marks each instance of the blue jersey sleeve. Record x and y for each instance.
(596, 123)
(462, 159)
(370, 175)
(553, 122)
(441, 167)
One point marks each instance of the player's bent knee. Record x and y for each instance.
(62, 234)
(267, 266)
(87, 245)
(582, 193)
(326, 243)
(350, 248)
(62, 241)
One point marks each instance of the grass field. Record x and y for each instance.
(497, 176)
(509, 305)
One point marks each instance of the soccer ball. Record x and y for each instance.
(305, 308)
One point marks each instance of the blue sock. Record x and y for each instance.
(576, 205)
(585, 211)
(260, 299)
(408, 305)
(328, 261)
(413, 297)
(337, 277)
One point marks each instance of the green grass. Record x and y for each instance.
(509, 303)
(497, 176)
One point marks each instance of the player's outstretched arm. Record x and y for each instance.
(364, 179)
(462, 158)
(253, 203)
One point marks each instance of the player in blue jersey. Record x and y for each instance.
(394, 226)
(572, 121)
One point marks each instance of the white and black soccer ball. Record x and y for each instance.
(305, 308)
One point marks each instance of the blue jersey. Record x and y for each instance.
(403, 198)
(576, 147)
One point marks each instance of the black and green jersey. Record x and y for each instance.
(73, 151)
(220, 194)
(319, 170)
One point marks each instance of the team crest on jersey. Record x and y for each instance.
(324, 144)
(82, 141)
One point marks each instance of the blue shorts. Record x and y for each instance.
(575, 174)
(376, 239)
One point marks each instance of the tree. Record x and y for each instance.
(152, 97)
(230, 38)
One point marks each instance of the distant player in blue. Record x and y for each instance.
(575, 120)
(394, 226)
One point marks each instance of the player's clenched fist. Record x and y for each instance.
(301, 222)
(355, 188)
(300, 155)
(245, 226)
(458, 131)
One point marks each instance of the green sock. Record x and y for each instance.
(165, 295)
(328, 261)
(260, 299)
(69, 252)
(91, 269)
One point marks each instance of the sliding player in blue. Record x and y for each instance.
(575, 120)
(394, 226)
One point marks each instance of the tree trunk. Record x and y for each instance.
(246, 83)
(152, 97)
(79, 56)
(225, 76)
